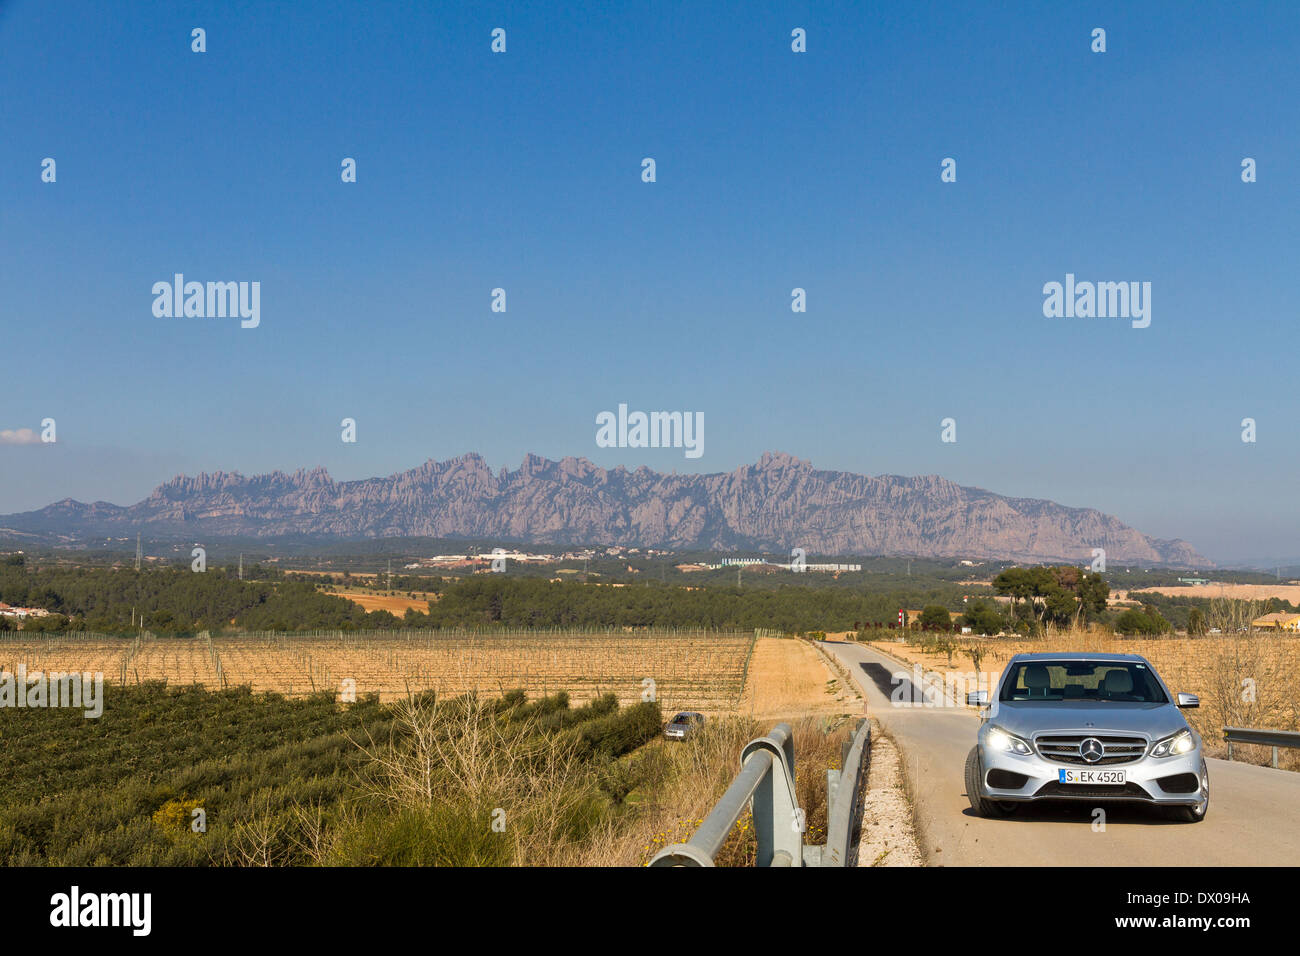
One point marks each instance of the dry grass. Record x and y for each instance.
(788, 676)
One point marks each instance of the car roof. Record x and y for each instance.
(1077, 656)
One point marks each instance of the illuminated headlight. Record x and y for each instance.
(999, 739)
(1173, 746)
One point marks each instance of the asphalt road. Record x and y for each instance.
(1254, 816)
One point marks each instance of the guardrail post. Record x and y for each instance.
(843, 801)
(778, 823)
(1274, 758)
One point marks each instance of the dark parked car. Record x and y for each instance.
(686, 723)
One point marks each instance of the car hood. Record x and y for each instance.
(1027, 718)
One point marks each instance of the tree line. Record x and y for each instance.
(178, 601)
(169, 600)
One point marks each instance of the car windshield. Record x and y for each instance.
(1101, 681)
(682, 719)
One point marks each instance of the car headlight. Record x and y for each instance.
(1174, 745)
(999, 739)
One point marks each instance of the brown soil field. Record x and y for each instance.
(1247, 680)
(1288, 591)
(397, 604)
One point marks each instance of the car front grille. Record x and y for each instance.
(1064, 748)
(1129, 791)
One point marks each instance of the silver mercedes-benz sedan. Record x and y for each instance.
(1090, 727)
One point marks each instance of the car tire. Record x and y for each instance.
(981, 804)
(1198, 813)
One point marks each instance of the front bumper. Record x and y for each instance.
(1163, 781)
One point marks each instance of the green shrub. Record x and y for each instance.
(620, 732)
(602, 706)
(442, 835)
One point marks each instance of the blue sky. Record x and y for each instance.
(775, 170)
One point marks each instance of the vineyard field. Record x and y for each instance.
(696, 669)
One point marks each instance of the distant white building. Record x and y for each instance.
(822, 567)
(752, 562)
(22, 612)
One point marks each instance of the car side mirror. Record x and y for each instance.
(977, 698)
(1188, 700)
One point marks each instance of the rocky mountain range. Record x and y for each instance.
(777, 504)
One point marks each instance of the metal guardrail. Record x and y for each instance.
(767, 778)
(844, 803)
(1265, 738)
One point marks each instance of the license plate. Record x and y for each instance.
(1094, 777)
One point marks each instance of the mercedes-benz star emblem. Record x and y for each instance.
(1091, 750)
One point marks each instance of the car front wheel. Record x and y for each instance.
(981, 804)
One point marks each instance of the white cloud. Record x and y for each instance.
(19, 436)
